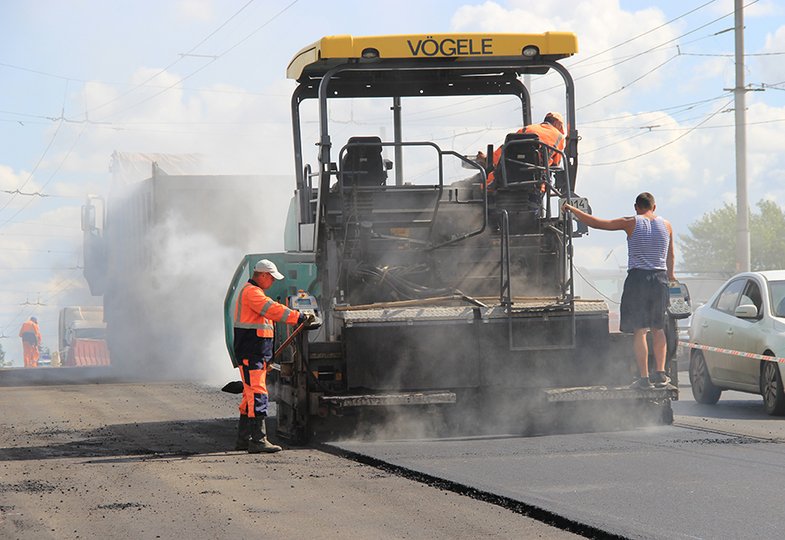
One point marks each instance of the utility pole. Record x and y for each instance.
(742, 205)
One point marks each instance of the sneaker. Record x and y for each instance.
(642, 384)
(660, 379)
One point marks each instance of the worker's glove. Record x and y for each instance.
(310, 320)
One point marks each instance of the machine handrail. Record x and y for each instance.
(342, 188)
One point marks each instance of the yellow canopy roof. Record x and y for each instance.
(329, 51)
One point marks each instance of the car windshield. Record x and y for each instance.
(777, 289)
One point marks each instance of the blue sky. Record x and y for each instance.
(650, 80)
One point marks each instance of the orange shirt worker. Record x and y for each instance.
(31, 340)
(254, 316)
(550, 132)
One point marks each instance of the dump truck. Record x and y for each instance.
(451, 296)
(154, 248)
(82, 337)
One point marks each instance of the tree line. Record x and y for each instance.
(710, 244)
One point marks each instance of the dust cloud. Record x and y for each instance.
(173, 242)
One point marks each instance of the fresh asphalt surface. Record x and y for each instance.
(716, 473)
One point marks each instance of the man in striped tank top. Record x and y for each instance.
(645, 295)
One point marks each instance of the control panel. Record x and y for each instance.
(679, 301)
(307, 305)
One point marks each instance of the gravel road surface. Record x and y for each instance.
(153, 461)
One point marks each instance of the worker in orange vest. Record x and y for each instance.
(31, 340)
(254, 315)
(550, 132)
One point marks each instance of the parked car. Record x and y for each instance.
(746, 314)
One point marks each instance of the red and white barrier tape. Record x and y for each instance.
(685, 343)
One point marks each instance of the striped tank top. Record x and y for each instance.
(647, 246)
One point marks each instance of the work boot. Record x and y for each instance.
(243, 433)
(258, 442)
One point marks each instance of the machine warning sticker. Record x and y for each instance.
(451, 47)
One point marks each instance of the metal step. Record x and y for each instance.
(600, 393)
(387, 400)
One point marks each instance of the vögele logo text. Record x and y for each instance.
(451, 47)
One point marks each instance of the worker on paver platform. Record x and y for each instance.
(645, 296)
(254, 315)
(31, 340)
(550, 132)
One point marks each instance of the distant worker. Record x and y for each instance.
(550, 132)
(254, 316)
(31, 341)
(645, 296)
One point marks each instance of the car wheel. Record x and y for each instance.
(771, 388)
(703, 390)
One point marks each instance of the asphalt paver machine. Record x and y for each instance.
(452, 297)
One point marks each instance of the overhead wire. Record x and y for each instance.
(62, 118)
(584, 123)
(48, 181)
(624, 87)
(212, 60)
(647, 32)
(40, 159)
(654, 48)
(58, 288)
(170, 65)
(595, 55)
(651, 151)
(617, 62)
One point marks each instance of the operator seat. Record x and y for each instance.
(362, 165)
(522, 161)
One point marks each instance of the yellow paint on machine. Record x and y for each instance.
(553, 45)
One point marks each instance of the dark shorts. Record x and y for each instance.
(644, 300)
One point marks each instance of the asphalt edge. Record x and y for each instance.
(531, 511)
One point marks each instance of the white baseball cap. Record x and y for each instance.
(268, 266)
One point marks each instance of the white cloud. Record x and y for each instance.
(9, 179)
(772, 68)
(200, 10)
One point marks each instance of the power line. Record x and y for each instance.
(48, 268)
(643, 34)
(59, 288)
(140, 85)
(48, 181)
(22, 193)
(217, 57)
(171, 64)
(570, 66)
(38, 163)
(724, 55)
(628, 84)
(655, 48)
(595, 72)
(709, 117)
(28, 250)
(49, 235)
(688, 106)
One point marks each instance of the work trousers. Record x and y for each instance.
(30, 353)
(253, 372)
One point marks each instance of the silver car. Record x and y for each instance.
(746, 315)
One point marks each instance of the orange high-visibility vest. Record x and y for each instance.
(29, 331)
(547, 133)
(255, 310)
